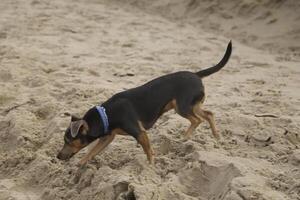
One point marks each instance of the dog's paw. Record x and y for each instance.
(77, 176)
(81, 169)
(185, 137)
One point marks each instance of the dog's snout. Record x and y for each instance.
(59, 156)
(62, 155)
(65, 153)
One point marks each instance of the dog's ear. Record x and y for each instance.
(78, 125)
(74, 118)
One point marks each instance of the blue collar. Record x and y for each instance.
(103, 116)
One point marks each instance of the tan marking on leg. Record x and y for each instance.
(174, 103)
(143, 130)
(119, 131)
(141, 126)
(144, 141)
(208, 116)
(171, 105)
(195, 121)
(100, 146)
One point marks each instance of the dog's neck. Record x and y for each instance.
(95, 123)
(104, 118)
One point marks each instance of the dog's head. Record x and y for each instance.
(76, 138)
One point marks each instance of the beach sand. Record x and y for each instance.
(60, 57)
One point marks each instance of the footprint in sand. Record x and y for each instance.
(209, 180)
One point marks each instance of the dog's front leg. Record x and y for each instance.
(100, 146)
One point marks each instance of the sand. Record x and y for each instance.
(60, 57)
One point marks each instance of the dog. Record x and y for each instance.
(134, 111)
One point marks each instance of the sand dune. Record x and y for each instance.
(270, 25)
(65, 56)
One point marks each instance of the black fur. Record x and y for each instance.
(218, 66)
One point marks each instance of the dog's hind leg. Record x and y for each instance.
(208, 116)
(185, 109)
(195, 121)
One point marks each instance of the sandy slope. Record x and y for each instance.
(65, 56)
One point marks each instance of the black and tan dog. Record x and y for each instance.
(133, 111)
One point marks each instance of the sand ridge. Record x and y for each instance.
(66, 56)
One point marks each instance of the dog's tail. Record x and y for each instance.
(217, 67)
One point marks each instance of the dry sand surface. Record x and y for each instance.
(67, 55)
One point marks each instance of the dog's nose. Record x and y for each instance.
(58, 156)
